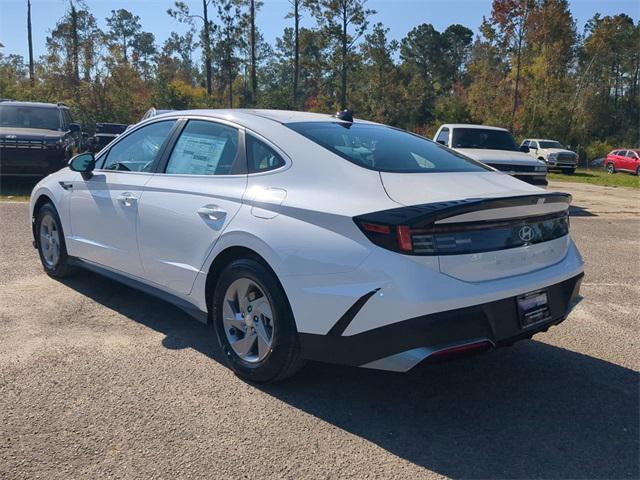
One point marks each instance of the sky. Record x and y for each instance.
(398, 15)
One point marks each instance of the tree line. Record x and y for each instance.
(527, 67)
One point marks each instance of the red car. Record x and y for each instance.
(623, 161)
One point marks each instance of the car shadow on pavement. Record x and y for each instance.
(529, 411)
(578, 211)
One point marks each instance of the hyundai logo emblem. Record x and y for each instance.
(526, 233)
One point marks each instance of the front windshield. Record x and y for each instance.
(29, 117)
(385, 149)
(550, 144)
(483, 138)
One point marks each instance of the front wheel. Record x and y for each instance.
(254, 323)
(638, 172)
(610, 168)
(50, 242)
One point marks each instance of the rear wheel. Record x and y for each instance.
(610, 168)
(254, 323)
(50, 242)
(638, 172)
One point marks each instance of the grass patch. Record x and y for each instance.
(14, 189)
(598, 177)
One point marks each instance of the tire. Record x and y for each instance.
(50, 242)
(610, 168)
(638, 172)
(569, 171)
(271, 351)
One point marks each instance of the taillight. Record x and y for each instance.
(405, 242)
(415, 236)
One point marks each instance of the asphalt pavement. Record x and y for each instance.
(101, 381)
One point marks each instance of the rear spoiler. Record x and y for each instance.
(430, 213)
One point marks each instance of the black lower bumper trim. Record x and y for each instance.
(496, 321)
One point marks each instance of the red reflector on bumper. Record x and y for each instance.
(461, 349)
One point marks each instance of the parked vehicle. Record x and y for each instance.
(597, 162)
(556, 156)
(308, 236)
(36, 139)
(495, 147)
(152, 112)
(105, 133)
(623, 161)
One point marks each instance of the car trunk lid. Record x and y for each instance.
(481, 226)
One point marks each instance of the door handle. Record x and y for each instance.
(127, 199)
(212, 212)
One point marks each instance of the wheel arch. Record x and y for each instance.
(222, 260)
(42, 199)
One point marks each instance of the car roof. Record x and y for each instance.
(540, 140)
(472, 125)
(33, 104)
(247, 117)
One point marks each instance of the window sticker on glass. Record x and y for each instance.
(196, 154)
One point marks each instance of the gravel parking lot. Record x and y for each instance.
(100, 381)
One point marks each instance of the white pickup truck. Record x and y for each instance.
(495, 147)
(553, 153)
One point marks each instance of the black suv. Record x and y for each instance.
(105, 133)
(36, 139)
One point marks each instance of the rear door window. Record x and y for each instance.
(204, 148)
(385, 149)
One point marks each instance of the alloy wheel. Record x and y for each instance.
(49, 240)
(247, 317)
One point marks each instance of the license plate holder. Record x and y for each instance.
(533, 308)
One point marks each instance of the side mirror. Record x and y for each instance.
(441, 142)
(75, 127)
(524, 149)
(83, 163)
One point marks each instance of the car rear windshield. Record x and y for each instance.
(483, 138)
(385, 149)
(29, 117)
(550, 144)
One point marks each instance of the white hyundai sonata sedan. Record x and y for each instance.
(303, 236)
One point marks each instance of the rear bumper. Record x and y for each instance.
(400, 346)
